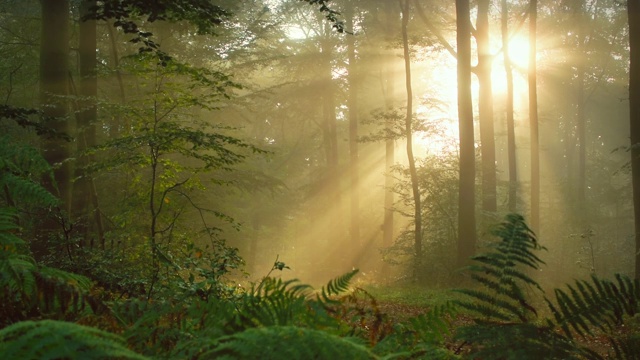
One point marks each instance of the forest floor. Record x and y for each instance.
(401, 303)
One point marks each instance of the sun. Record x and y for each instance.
(519, 51)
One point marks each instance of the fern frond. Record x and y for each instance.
(61, 290)
(337, 286)
(9, 242)
(434, 325)
(27, 190)
(627, 348)
(273, 302)
(286, 342)
(21, 168)
(50, 339)
(17, 275)
(521, 341)
(597, 304)
(501, 276)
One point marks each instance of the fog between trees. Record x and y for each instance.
(275, 134)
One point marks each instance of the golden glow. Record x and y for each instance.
(519, 51)
(442, 135)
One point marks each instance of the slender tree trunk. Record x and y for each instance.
(389, 160)
(485, 107)
(417, 217)
(388, 92)
(331, 187)
(533, 119)
(466, 197)
(580, 110)
(116, 125)
(511, 134)
(54, 67)
(253, 243)
(85, 199)
(353, 132)
(329, 113)
(633, 10)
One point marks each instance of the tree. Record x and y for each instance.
(85, 199)
(353, 129)
(54, 68)
(533, 118)
(633, 11)
(466, 200)
(485, 107)
(511, 136)
(408, 133)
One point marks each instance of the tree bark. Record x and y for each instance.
(633, 11)
(466, 197)
(485, 107)
(85, 199)
(391, 18)
(54, 67)
(511, 134)
(353, 132)
(533, 119)
(417, 217)
(580, 108)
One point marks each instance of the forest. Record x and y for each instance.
(320, 179)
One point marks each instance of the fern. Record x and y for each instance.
(598, 304)
(504, 326)
(50, 339)
(273, 302)
(9, 242)
(286, 342)
(21, 167)
(500, 274)
(338, 285)
(423, 336)
(27, 289)
(519, 342)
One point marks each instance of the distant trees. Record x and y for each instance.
(633, 11)
(305, 95)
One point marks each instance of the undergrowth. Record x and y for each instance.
(289, 319)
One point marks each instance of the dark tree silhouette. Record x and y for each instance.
(633, 9)
(466, 213)
(533, 119)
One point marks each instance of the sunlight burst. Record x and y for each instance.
(519, 51)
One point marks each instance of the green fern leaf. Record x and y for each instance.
(337, 286)
(50, 339)
(286, 342)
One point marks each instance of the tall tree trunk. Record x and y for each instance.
(85, 199)
(54, 67)
(253, 243)
(511, 134)
(533, 119)
(116, 124)
(633, 10)
(353, 132)
(391, 18)
(417, 217)
(580, 109)
(466, 197)
(331, 186)
(485, 107)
